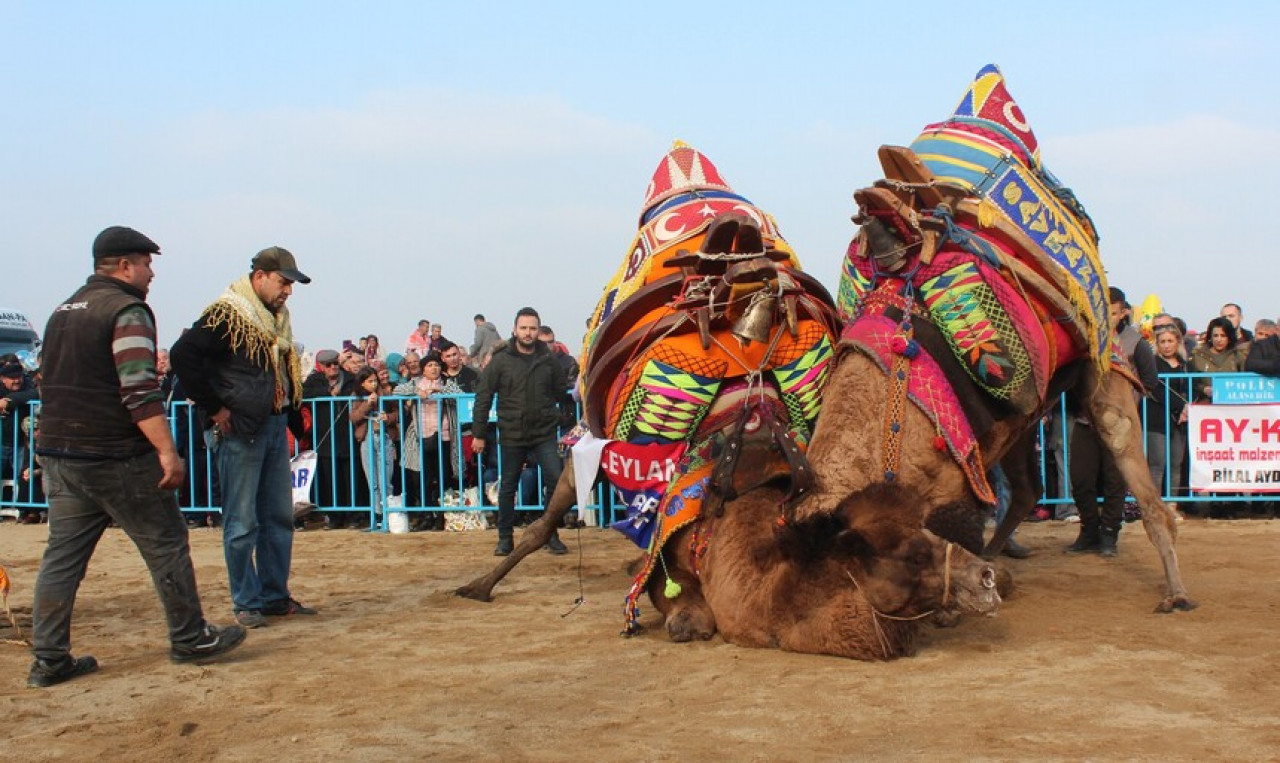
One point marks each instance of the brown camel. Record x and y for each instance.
(856, 583)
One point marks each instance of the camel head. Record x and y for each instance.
(905, 573)
(902, 569)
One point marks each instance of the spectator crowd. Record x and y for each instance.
(413, 447)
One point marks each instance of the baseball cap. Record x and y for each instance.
(280, 260)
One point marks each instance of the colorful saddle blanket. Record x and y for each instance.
(974, 257)
(709, 315)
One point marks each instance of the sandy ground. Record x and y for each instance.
(396, 668)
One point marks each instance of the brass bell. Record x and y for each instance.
(757, 321)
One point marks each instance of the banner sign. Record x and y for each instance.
(304, 473)
(1245, 388)
(1234, 448)
(641, 474)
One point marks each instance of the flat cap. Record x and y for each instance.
(117, 241)
(325, 357)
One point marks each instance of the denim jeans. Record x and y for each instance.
(84, 496)
(545, 455)
(257, 515)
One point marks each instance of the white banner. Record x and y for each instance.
(304, 473)
(1234, 448)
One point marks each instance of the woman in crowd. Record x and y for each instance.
(1220, 354)
(1167, 410)
(421, 456)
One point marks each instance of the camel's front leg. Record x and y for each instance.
(688, 615)
(1115, 415)
(534, 538)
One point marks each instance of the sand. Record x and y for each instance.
(395, 667)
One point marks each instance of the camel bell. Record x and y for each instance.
(757, 321)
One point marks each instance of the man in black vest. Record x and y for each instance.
(107, 454)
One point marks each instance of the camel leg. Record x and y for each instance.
(1115, 416)
(535, 537)
(1019, 465)
(688, 616)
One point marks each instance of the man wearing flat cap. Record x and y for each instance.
(107, 454)
(239, 364)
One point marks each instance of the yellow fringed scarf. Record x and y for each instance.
(264, 337)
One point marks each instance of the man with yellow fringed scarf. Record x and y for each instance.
(238, 363)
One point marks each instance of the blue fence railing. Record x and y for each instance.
(448, 476)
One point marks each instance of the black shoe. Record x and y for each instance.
(556, 546)
(1086, 543)
(213, 641)
(1107, 545)
(505, 546)
(1015, 550)
(286, 608)
(45, 674)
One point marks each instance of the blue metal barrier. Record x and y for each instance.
(342, 487)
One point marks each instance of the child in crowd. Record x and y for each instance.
(370, 421)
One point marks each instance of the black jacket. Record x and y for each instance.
(1264, 356)
(529, 389)
(217, 377)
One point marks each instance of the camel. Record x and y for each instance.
(757, 333)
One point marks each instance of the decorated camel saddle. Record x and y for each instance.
(708, 332)
(974, 267)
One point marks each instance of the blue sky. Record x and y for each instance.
(441, 159)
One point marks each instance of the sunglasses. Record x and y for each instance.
(1163, 328)
(330, 364)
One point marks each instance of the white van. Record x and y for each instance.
(17, 335)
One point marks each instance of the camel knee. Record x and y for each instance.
(691, 621)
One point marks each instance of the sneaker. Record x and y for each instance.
(250, 618)
(286, 608)
(556, 546)
(1071, 518)
(45, 674)
(213, 641)
(1040, 514)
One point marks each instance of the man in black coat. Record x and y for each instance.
(529, 384)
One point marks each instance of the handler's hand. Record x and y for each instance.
(174, 469)
(222, 421)
(477, 445)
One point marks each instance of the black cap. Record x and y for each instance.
(12, 371)
(280, 260)
(117, 241)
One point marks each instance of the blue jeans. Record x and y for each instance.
(545, 455)
(257, 515)
(84, 496)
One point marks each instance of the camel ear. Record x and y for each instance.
(854, 543)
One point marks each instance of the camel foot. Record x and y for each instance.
(687, 625)
(475, 592)
(1176, 603)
